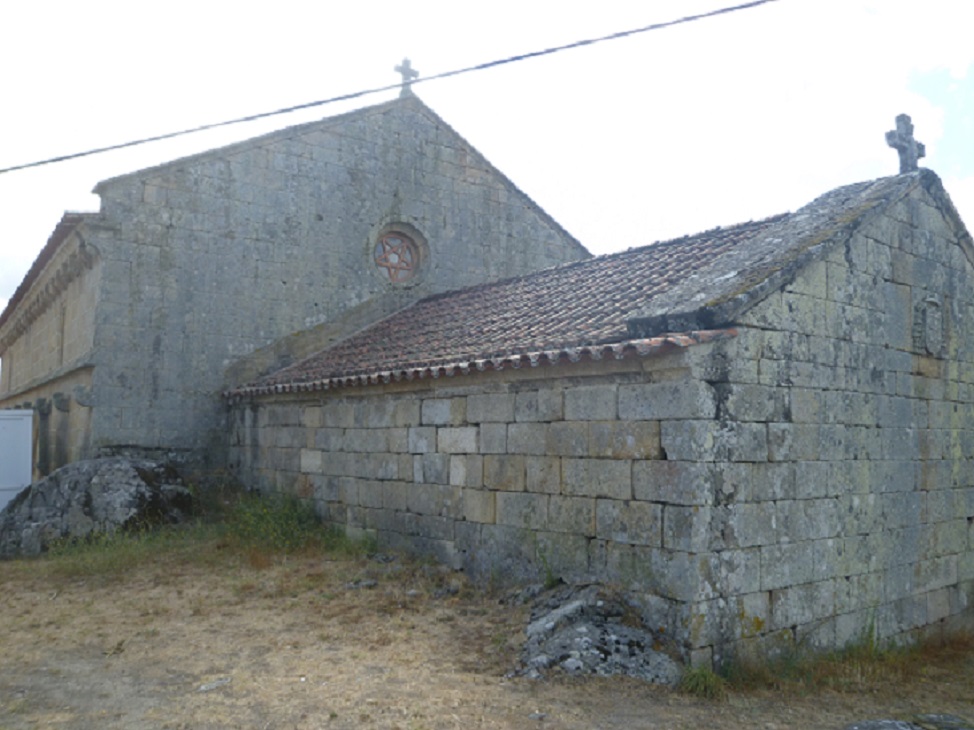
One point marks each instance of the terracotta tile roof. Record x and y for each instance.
(562, 313)
(734, 281)
(671, 294)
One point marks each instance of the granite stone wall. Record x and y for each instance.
(807, 482)
(511, 476)
(857, 378)
(208, 259)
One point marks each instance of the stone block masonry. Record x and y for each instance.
(782, 502)
(806, 482)
(242, 256)
(509, 492)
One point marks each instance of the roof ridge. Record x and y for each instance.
(580, 263)
(703, 301)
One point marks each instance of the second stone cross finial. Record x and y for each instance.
(903, 141)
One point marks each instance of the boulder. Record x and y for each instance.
(91, 497)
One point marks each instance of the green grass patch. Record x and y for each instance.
(272, 523)
(275, 526)
(259, 530)
(116, 553)
(704, 683)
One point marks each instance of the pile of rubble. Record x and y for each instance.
(590, 630)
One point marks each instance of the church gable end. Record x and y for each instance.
(209, 258)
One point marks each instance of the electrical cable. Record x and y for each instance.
(366, 92)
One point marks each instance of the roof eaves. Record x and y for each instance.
(643, 347)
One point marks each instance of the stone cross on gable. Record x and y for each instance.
(903, 141)
(408, 74)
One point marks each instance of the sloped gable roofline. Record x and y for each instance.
(934, 187)
(730, 284)
(412, 102)
(505, 180)
(245, 145)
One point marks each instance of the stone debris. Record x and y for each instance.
(582, 630)
(115, 650)
(215, 684)
(451, 589)
(86, 498)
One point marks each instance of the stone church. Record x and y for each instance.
(764, 432)
(122, 332)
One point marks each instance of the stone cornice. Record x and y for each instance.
(73, 258)
(62, 232)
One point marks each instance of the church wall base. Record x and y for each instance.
(670, 477)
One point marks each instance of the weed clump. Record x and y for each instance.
(703, 682)
(273, 523)
(267, 526)
(261, 529)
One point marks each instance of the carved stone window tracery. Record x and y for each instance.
(399, 254)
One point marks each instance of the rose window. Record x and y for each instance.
(397, 255)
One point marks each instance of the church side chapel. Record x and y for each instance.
(763, 432)
(238, 260)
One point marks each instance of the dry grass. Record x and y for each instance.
(861, 668)
(323, 636)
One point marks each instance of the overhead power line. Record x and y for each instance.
(390, 87)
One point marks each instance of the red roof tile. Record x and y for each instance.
(563, 312)
(671, 294)
(618, 351)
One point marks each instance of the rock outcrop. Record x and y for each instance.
(91, 497)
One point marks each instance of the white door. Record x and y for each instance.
(15, 453)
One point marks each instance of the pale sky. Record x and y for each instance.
(626, 142)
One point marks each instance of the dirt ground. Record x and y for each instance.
(346, 643)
